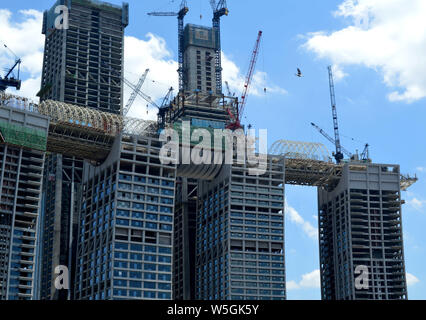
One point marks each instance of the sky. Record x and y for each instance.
(376, 48)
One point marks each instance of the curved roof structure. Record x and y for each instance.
(69, 114)
(300, 150)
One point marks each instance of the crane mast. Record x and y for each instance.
(228, 89)
(219, 10)
(325, 134)
(181, 15)
(250, 73)
(135, 93)
(236, 124)
(6, 82)
(338, 155)
(140, 93)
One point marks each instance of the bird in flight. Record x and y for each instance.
(299, 73)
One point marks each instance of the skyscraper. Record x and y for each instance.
(126, 224)
(361, 246)
(200, 44)
(23, 139)
(217, 255)
(240, 234)
(83, 65)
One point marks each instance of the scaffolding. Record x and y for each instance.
(80, 131)
(88, 133)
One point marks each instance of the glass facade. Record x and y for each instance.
(21, 172)
(240, 235)
(125, 238)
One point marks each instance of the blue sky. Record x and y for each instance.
(377, 48)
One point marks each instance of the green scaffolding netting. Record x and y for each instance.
(21, 136)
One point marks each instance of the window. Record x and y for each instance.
(149, 294)
(164, 277)
(150, 267)
(165, 250)
(151, 225)
(164, 295)
(164, 286)
(164, 268)
(164, 259)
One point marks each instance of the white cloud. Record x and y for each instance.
(296, 218)
(338, 73)
(30, 87)
(388, 36)
(292, 285)
(232, 74)
(421, 169)
(416, 203)
(22, 33)
(154, 55)
(309, 280)
(411, 279)
(24, 38)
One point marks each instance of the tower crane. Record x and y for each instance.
(131, 85)
(140, 93)
(135, 93)
(7, 82)
(349, 154)
(364, 155)
(220, 9)
(229, 90)
(338, 155)
(164, 108)
(236, 119)
(167, 97)
(181, 15)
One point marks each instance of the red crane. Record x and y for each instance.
(236, 119)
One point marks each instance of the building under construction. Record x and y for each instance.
(144, 229)
(82, 66)
(23, 139)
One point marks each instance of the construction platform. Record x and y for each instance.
(89, 134)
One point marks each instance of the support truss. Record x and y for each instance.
(300, 150)
(60, 112)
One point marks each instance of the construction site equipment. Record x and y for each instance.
(77, 131)
(300, 150)
(19, 135)
(135, 93)
(132, 86)
(140, 93)
(236, 119)
(87, 133)
(219, 10)
(229, 90)
(8, 81)
(167, 98)
(365, 155)
(338, 155)
(181, 15)
(194, 103)
(406, 181)
(349, 154)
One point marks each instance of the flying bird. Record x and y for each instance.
(299, 73)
